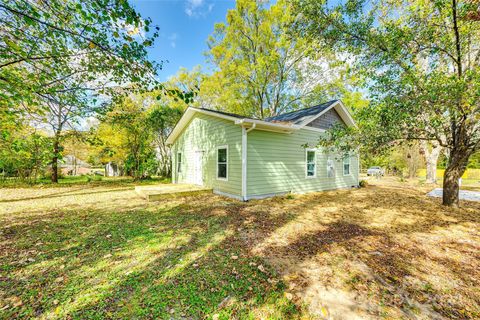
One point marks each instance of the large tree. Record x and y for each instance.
(59, 58)
(51, 46)
(258, 62)
(421, 60)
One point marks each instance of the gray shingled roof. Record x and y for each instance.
(225, 113)
(299, 116)
(295, 117)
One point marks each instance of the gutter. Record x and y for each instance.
(268, 125)
(245, 132)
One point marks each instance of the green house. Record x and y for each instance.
(247, 158)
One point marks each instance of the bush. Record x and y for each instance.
(48, 174)
(93, 177)
(362, 183)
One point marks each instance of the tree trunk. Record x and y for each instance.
(451, 185)
(431, 160)
(56, 149)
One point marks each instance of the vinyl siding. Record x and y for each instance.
(326, 120)
(277, 164)
(207, 133)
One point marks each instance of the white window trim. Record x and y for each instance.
(179, 164)
(349, 166)
(333, 165)
(306, 163)
(218, 148)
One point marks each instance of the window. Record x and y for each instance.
(346, 166)
(179, 162)
(311, 164)
(330, 168)
(222, 163)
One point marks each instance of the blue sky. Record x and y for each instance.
(184, 28)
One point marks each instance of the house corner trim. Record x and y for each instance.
(244, 163)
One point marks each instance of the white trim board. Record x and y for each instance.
(226, 163)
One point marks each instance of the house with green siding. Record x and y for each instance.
(247, 158)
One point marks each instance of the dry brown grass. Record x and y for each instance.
(385, 251)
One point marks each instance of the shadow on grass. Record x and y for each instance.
(397, 272)
(180, 260)
(73, 192)
(194, 256)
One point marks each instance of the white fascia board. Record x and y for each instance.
(267, 126)
(259, 124)
(187, 115)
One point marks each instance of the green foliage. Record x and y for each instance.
(363, 183)
(259, 64)
(474, 161)
(24, 153)
(420, 62)
(133, 135)
(51, 47)
(161, 119)
(93, 177)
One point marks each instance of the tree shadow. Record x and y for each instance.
(67, 193)
(386, 260)
(174, 261)
(198, 255)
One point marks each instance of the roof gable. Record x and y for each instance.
(305, 116)
(327, 120)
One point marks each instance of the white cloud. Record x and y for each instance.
(198, 8)
(173, 39)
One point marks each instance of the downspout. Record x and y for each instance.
(245, 132)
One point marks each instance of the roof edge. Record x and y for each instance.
(237, 120)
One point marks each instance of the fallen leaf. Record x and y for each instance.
(324, 311)
(16, 301)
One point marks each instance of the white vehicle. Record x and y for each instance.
(375, 171)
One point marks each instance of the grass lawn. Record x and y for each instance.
(95, 251)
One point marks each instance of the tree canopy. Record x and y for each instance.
(421, 62)
(258, 63)
(70, 50)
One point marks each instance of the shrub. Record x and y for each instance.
(362, 183)
(93, 177)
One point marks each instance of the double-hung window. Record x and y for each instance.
(346, 166)
(222, 163)
(311, 163)
(179, 162)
